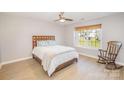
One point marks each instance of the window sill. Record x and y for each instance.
(87, 47)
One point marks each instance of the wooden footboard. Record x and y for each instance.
(60, 66)
(66, 64)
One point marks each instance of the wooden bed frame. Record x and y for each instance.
(39, 38)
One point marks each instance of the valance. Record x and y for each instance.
(90, 27)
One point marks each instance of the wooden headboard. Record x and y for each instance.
(39, 38)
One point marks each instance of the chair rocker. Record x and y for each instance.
(109, 56)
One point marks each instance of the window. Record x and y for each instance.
(88, 36)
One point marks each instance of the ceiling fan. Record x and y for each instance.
(62, 18)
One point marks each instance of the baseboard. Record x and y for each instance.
(120, 63)
(88, 55)
(13, 61)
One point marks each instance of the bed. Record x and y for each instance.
(52, 57)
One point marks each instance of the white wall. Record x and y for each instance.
(113, 29)
(16, 35)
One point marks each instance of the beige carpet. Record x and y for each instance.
(86, 69)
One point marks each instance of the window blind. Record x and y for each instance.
(89, 27)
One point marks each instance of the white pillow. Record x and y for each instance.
(43, 43)
(52, 42)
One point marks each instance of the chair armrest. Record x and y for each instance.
(102, 50)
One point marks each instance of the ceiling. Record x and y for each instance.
(51, 16)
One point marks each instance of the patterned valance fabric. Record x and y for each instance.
(90, 27)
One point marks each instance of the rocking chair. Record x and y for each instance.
(108, 56)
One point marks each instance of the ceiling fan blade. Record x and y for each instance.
(62, 18)
(57, 20)
(67, 19)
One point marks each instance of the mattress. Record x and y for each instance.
(53, 56)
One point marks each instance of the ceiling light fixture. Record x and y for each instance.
(62, 20)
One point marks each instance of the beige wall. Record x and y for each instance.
(16, 35)
(112, 29)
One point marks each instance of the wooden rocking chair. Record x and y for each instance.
(108, 56)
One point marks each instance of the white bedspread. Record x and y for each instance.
(53, 56)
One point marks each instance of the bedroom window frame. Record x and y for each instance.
(76, 41)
